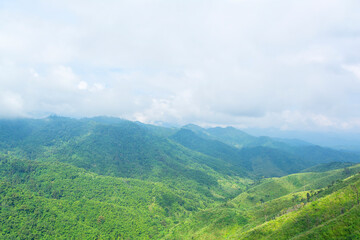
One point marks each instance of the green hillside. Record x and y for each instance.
(260, 158)
(263, 204)
(108, 178)
(328, 166)
(43, 199)
(259, 161)
(326, 216)
(120, 148)
(212, 148)
(235, 137)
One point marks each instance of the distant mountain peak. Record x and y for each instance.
(192, 127)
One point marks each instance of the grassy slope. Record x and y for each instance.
(272, 188)
(342, 227)
(322, 218)
(265, 201)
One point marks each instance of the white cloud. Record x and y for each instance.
(288, 64)
(355, 69)
(11, 105)
(82, 85)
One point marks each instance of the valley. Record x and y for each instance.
(108, 178)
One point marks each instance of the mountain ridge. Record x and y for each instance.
(177, 183)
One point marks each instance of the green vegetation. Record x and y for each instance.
(107, 178)
(56, 199)
(324, 217)
(260, 156)
(265, 202)
(329, 166)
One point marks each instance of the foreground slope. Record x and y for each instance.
(331, 214)
(267, 202)
(48, 199)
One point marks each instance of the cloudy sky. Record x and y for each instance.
(285, 64)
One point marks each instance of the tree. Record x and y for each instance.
(357, 193)
(101, 219)
(347, 171)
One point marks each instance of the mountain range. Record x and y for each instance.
(109, 178)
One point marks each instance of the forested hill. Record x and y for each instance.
(110, 178)
(262, 156)
(116, 147)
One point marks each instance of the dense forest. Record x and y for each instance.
(108, 178)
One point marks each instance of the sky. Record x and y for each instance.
(284, 64)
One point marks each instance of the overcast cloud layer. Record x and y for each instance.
(287, 64)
